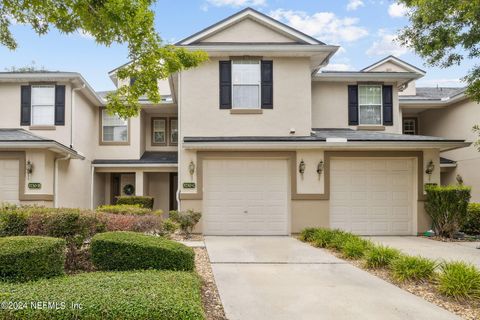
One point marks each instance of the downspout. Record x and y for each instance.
(72, 112)
(55, 179)
(180, 142)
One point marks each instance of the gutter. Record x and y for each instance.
(52, 145)
(436, 102)
(134, 165)
(296, 145)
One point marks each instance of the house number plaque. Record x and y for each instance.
(34, 185)
(189, 185)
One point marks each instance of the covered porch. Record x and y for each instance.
(154, 175)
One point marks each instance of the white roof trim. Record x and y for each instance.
(397, 61)
(255, 15)
(50, 145)
(362, 76)
(433, 102)
(355, 145)
(135, 165)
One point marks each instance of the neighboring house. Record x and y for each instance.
(256, 138)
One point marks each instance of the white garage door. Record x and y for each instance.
(245, 197)
(9, 170)
(372, 196)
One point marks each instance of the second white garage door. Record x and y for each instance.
(372, 196)
(245, 197)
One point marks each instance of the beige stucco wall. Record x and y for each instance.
(456, 122)
(310, 181)
(159, 188)
(393, 67)
(246, 31)
(330, 106)
(201, 116)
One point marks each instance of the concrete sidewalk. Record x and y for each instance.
(432, 249)
(283, 278)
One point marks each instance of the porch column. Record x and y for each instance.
(139, 183)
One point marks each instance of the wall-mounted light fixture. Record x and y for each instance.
(429, 170)
(191, 168)
(320, 168)
(29, 168)
(301, 167)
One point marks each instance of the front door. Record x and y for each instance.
(115, 185)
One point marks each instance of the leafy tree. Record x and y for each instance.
(128, 22)
(445, 32)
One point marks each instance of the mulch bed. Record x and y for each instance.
(467, 310)
(210, 298)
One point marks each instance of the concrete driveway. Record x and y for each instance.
(438, 250)
(283, 278)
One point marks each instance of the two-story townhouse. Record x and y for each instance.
(257, 139)
(268, 145)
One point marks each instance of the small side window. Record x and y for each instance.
(410, 126)
(159, 131)
(173, 131)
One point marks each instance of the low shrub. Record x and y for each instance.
(167, 295)
(142, 201)
(307, 234)
(130, 251)
(13, 222)
(169, 226)
(413, 268)
(322, 237)
(339, 238)
(380, 256)
(447, 207)
(459, 280)
(135, 223)
(355, 248)
(471, 224)
(132, 209)
(26, 258)
(187, 220)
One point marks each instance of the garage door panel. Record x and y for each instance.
(259, 190)
(9, 181)
(380, 201)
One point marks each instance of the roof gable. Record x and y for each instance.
(393, 64)
(238, 28)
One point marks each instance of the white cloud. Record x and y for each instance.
(325, 26)
(338, 67)
(386, 45)
(237, 3)
(441, 82)
(397, 10)
(354, 4)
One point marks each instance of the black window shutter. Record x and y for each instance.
(59, 105)
(226, 84)
(353, 105)
(267, 84)
(387, 105)
(25, 105)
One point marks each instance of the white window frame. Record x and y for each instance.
(259, 106)
(415, 126)
(113, 142)
(165, 131)
(32, 106)
(381, 105)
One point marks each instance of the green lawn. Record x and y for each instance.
(105, 295)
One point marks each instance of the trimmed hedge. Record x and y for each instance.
(472, 222)
(132, 251)
(447, 207)
(166, 295)
(29, 258)
(144, 202)
(132, 209)
(12, 222)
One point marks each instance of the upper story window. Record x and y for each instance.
(43, 105)
(370, 104)
(159, 131)
(246, 84)
(409, 126)
(173, 131)
(114, 128)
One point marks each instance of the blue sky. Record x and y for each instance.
(364, 29)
